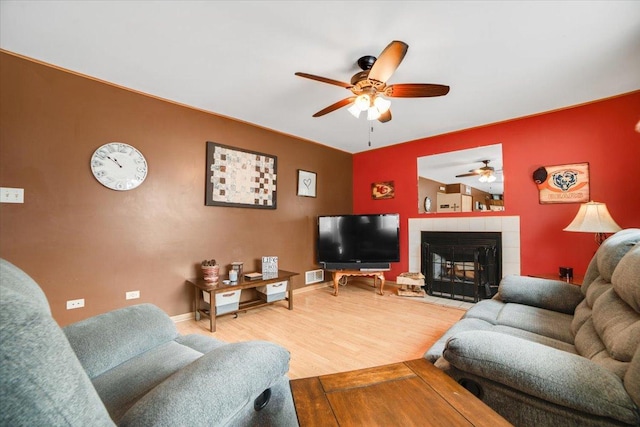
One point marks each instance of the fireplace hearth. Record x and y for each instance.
(461, 265)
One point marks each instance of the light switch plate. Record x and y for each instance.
(11, 195)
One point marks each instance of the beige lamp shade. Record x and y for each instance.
(594, 217)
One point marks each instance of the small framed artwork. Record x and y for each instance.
(383, 190)
(564, 184)
(240, 178)
(306, 183)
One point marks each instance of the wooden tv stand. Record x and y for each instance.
(339, 274)
(200, 285)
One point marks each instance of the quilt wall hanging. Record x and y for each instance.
(240, 178)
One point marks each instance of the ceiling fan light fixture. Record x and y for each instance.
(381, 104)
(373, 114)
(487, 176)
(363, 102)
(354, 110)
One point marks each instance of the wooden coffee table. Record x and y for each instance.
(412, 393)
(339, 274)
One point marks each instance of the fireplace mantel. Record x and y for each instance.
(509, 226)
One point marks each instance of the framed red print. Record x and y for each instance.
(383, 190)
(565, 184)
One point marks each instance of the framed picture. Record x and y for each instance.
(306, 183)
(240, 178)
(565, 184)
(383, 190)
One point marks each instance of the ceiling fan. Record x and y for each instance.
(486, 172)
(370, 85)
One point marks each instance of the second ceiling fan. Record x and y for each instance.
(369, 86)
(487, 173)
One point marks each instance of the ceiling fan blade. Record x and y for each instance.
(416, 90)
(325, 80)
(467, 174)
(385, 117)
(388, 61)
(335, 106)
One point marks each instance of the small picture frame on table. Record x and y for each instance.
(306, 183)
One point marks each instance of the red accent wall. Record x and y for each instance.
(600, 133)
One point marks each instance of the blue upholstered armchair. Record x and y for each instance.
(129, 367)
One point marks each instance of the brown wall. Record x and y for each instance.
(428, 187)
(480, 196)
(78, 239)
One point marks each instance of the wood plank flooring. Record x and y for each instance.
(327, 334)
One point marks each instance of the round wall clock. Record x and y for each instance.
(427, 204)
(119, 166)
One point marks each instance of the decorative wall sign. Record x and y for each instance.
(383, 190)
(240, 178)
(306, 183)
(269, 267)
(565, 184)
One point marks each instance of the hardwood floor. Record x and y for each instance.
(327, 334)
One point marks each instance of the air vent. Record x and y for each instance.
(313, 276)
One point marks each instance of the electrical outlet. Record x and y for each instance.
(75, 303)
(11, 195)
(132, 295)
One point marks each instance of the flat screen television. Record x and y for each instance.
(358, 241)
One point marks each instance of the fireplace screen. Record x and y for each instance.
(461, 270)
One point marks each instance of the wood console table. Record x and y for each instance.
(412, 393)
(339, 274)
(200, 285)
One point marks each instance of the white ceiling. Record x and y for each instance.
(238, 58)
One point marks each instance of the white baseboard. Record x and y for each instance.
(183, 317)
(312, 287)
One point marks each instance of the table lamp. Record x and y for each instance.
(594, 217)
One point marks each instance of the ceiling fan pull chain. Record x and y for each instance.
(370, 130)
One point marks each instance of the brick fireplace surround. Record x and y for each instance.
(509, 226)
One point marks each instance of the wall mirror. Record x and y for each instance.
(461, 181)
